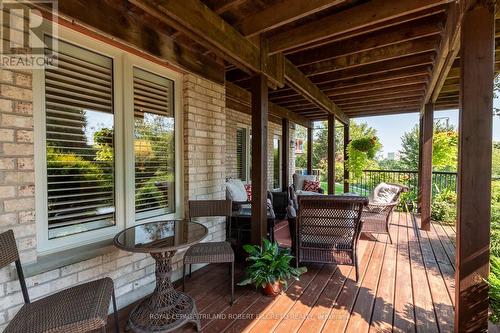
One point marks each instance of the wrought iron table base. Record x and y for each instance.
(166, 309)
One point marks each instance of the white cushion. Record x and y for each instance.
(235, 190)
(302, 192)
(298, 180)
(385, 193)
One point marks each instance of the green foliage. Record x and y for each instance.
(360, 152)
(444, 145)
(444, 206)
(494, 292)
(495, 165)
(269, 264)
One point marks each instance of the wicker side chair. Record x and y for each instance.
(328, 229)
(83, 308)
(210, 252)
(377, 215)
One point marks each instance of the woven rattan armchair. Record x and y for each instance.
(377, 215)
(210, 252)
(328, 229)
(83, 308)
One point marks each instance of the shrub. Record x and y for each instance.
(494, 292)
(444, 206)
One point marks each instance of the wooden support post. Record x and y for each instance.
(474, 167)
(426, 166)
(331, 154)
(259, 158)
(285, 154)
(346, 158)
(420, 145)
(309, 150)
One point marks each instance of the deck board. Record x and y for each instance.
(402, 286)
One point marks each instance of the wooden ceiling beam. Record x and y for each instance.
(382, 112)
(374, 40)
(420, 79)
(386, 53)
(236, 94)
(376, 68)
(415, 105)
(281, 13)
(226, 5)
(383, 93)
(139, 36)
(411, 94)
(299, 82)
(395, 101)
(200, 23)
(360, 16)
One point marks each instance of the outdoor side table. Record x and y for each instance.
(166, 309)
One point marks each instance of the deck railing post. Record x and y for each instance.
(259, 158)
(425, 190)
(309, 150)
(285, 154)
(331, 154)
(346, 158)
(474, 167)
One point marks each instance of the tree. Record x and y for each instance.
(495, 165)
(444, 148)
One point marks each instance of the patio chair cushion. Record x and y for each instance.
(248, 189)
(298, 180)
(235, 190)
(209, 252)
(311, 185)
(78, 309)
(302, 192)
(385, 193)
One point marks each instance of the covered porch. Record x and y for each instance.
(239, 74)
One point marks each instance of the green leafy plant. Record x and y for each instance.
(494, 292)
(361, 151)
(269, 264)
(444, 206)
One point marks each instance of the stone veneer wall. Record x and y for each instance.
(133, 274)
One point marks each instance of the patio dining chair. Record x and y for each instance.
(328, 229)
(83, 308)
(381, 203)
(210, 252)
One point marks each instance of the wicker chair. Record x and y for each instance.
(328, 229)
(377, 215)
(82, 308)
(210, 252)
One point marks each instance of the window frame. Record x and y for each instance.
(248, 143)
(123, 63)
(280, 152)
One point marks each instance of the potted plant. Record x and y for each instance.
(269, 267)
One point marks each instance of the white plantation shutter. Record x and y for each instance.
(80, 141)
(241, 154)
(153, 145)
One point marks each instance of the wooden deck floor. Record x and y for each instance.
(402, 285)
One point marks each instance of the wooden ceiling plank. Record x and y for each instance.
(386, 53)
(226, 5)
(383, 93)
(382, 112)
(282, 13)
(360, 16)
(395, 101)
(376, 68)
(411, 94)
(244, 97)
(386, 37)
(298, 81)
(114, 22)
(422, 79)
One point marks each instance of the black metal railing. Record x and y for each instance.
(441, 181)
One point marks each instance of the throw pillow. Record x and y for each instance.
(248, 188)
(311, 185)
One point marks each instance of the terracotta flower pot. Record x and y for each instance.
(272, 289)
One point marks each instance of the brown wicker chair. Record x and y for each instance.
(210, 252)
(82, 308)
(377, 216)
(328, 229)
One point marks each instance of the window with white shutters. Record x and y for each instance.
(241, 153)
(154, 145)
(79, 141)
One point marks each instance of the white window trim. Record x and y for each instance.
(123, 63)
(280, 149)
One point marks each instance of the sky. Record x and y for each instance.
(390, 129)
